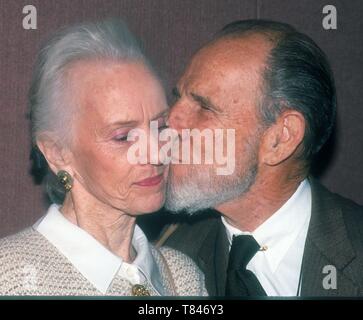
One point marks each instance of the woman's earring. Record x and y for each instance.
(65, 179)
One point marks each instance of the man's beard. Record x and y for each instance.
(201, 189)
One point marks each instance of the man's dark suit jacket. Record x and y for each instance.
(335, 237)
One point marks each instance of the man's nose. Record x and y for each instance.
(155, 157)
(179, 117)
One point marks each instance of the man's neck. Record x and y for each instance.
(264, 198)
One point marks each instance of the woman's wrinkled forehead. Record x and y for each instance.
(109, 91)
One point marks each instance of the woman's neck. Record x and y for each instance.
(111, 227)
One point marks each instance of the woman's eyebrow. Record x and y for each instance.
(117, 124)
(131, 123)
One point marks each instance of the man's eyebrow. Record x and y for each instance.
(161, 114)
(204, 101)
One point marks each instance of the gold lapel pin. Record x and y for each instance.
(140, 291)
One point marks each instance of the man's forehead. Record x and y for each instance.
(246, 52)
(227, 62)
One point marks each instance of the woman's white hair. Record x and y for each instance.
(49, 102)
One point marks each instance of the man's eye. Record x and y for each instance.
(176, 94)
(163, 127)
(120, 138)
(204, 106)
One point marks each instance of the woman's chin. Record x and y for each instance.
(146, 206)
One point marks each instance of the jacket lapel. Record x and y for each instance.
(213, 259)
(221, 256)
(327, 244)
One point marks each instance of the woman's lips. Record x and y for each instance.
(153, 181)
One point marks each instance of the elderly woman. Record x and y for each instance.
(92, 85)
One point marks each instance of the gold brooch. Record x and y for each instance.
(140, 291)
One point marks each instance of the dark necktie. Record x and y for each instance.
(240, 281)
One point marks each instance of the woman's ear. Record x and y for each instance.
(56, 154)
(282, 139)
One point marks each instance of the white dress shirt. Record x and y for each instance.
(94, 261)
(284, 234)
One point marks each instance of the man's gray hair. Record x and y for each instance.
(49, 102)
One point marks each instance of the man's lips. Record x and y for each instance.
(153, 181)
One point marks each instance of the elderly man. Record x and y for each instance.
(268, 229)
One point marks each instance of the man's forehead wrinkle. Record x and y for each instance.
(196, 76)
(228, 72)
(244, 49)
(243, 53)
(188, 78)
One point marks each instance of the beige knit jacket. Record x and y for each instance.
(31, 265)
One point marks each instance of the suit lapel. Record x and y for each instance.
(327, 244)
(221, 255)
(213, 258)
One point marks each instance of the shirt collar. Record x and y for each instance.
(280, 231)
(95, 262)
